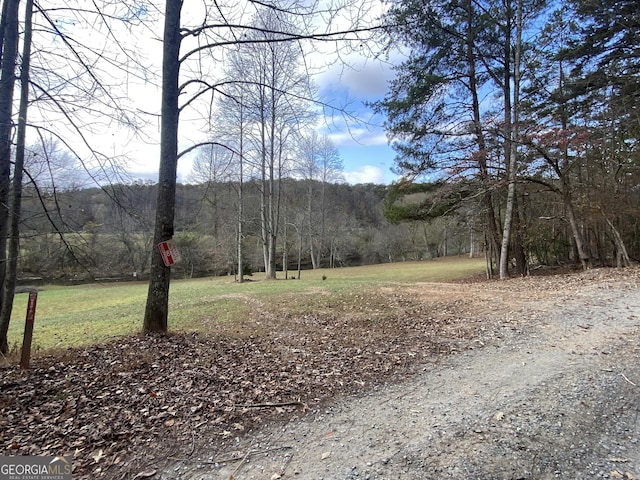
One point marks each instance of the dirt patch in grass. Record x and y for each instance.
(130, 407)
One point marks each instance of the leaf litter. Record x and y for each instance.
(125, 408)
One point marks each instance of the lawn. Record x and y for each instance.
(86, 314)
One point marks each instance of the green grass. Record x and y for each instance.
(81, 315)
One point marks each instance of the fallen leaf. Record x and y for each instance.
(98, 456)
(145, 474)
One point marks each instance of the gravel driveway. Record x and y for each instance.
(550, 390)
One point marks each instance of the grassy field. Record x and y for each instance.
(80, 315)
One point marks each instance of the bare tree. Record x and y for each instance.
(157, 307)
(206, 39)
(232, 112)
(69, 85)
(276, 102)
(319, 163)
(9, 26)
(15, 204)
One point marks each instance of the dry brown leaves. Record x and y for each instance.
(125, 407)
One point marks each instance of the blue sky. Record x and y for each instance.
(368, 164)
(359, 137)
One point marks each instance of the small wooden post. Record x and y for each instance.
(28, 330)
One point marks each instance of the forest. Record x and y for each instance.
(88, 234)
(531, 109)
(98, 234)
(515, 126)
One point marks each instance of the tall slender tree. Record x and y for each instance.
(319, 164)
(157, 306)
(551, 133)
(15, 201)
(269, 70)
(434, 106)
(66, 84)
(211, 35)
(9, 25)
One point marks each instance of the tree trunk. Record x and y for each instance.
(564, 173)
(622, 257)
(265, 191)
(3, 24)
(240, 228)
(487, 196)
(157, 308)
(519, 251)
(240, 198)
(299, 251)
(511, 131)
(322, 234)
(9, 23)
(9, 287)
(575, 230)
(274, 180)
(312, 250)
(285, 251)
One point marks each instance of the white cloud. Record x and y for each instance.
(363, 78)
(358, 136)
(366, 174)
(369, 81)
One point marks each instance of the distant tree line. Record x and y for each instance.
(84, 234)
(80, 234)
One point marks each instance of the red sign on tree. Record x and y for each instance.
(169, 252)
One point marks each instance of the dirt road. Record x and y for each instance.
(551, 389)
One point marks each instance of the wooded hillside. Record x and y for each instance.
(93, 233)
(107, 233)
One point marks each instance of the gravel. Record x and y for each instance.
(549, 389)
